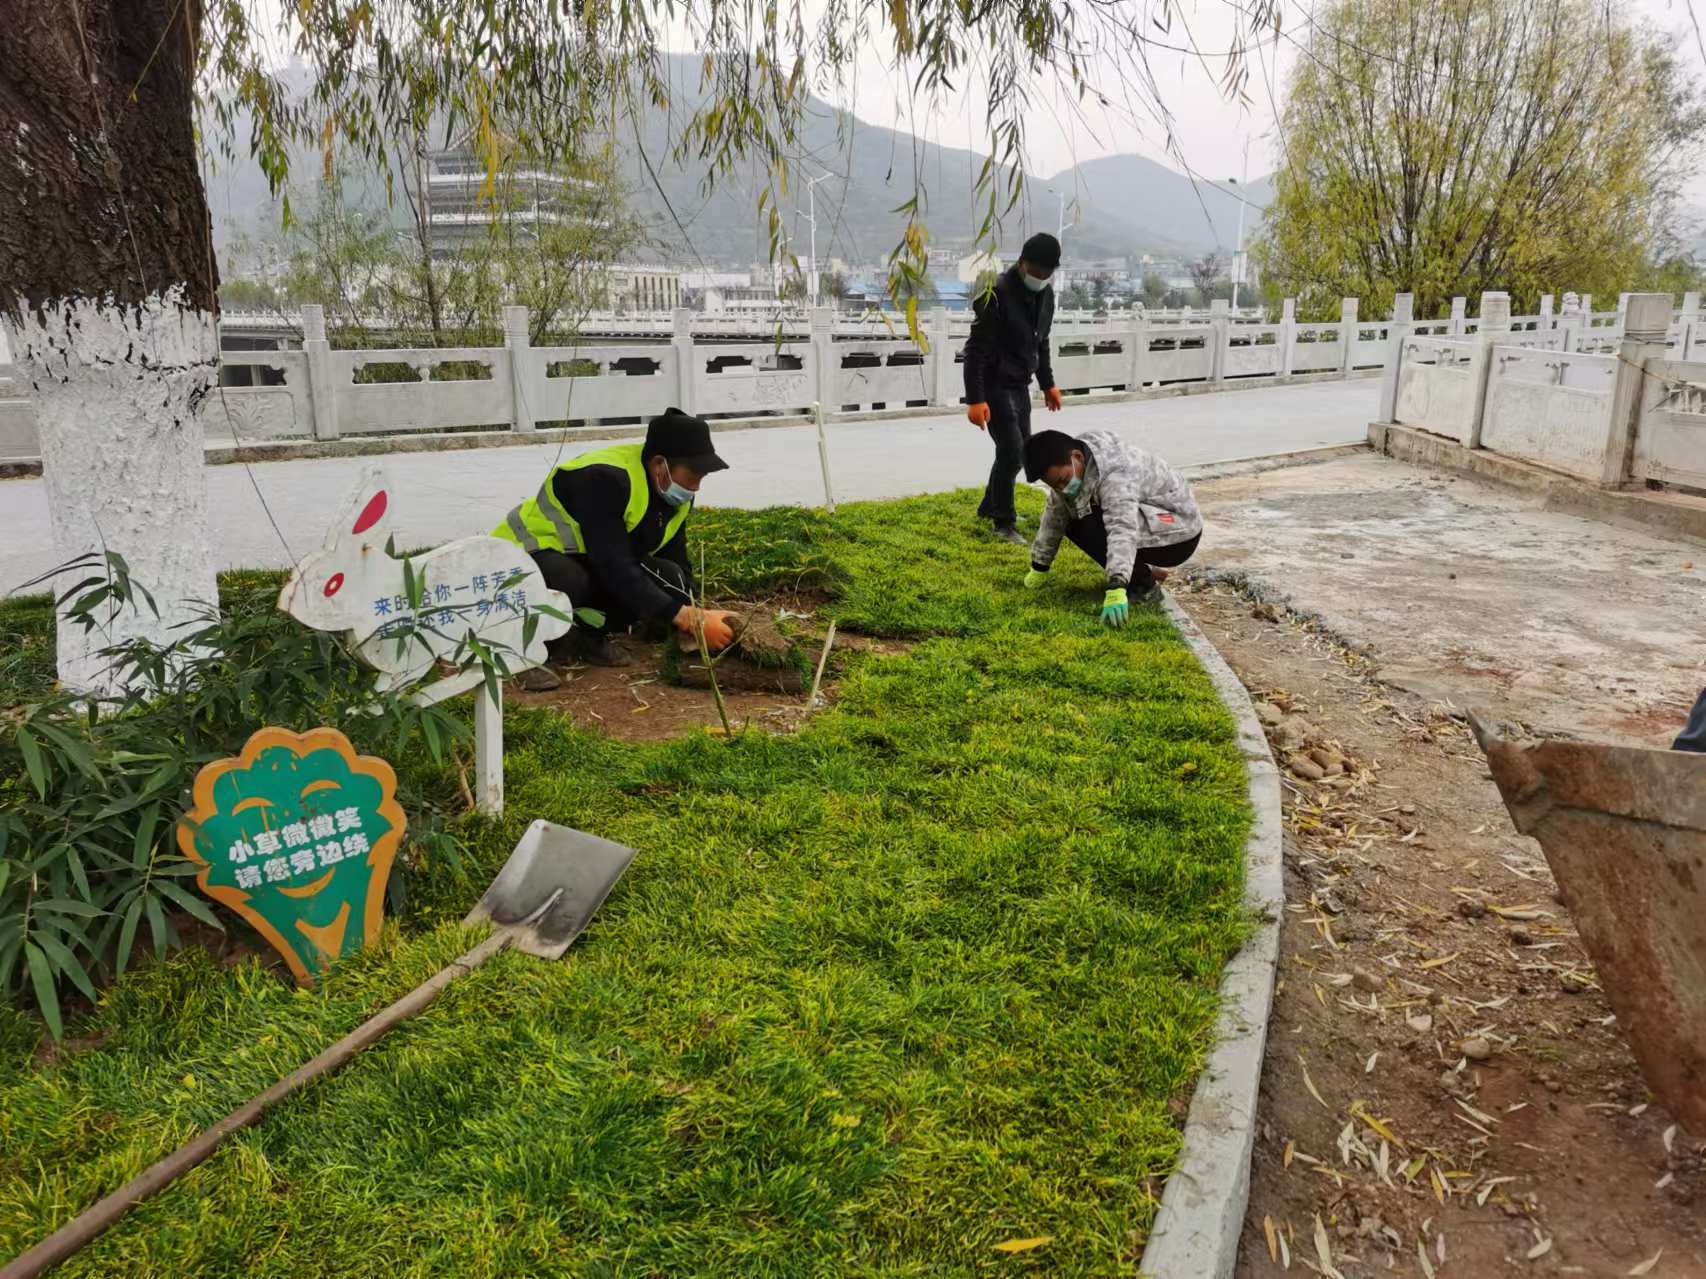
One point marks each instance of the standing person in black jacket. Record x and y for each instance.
(1007, 347)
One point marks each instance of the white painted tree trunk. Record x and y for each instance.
(116, 389)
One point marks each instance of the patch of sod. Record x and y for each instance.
(872, 999)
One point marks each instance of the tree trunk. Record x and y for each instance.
(108, 285)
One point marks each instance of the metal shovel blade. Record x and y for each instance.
(547, 891)
(1624, 830)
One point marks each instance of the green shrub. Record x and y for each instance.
(91, 788)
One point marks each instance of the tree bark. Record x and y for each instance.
(108, 286)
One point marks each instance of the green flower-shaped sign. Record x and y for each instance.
(297, 835)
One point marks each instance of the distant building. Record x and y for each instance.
(715, 292)
(461, 212)
(639, 287)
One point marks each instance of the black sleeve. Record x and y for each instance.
(675, 551)
(597, 496)
(986, 311)
(1045, 365)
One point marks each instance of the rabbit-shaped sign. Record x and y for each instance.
(404, 616)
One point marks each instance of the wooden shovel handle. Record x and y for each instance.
(77, 1232)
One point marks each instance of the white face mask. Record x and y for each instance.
(1032, 283)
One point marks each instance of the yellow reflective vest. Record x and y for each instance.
(540, 522)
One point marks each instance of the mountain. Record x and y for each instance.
(1148, 205)
(1117, 205)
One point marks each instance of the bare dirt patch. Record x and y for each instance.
(662, 694)
(1445, 1090)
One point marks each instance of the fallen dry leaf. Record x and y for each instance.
(1422, 1256)
(1488, 1187)
(1670, 1138)
(1539, 1250)
(1519, 912)
(1316, 1093)
(1024, 1245)
(1324, 1250)
(1441, 961)
(1273, 1238)
(1646, 1267)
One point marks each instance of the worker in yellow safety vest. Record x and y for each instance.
(609, 529)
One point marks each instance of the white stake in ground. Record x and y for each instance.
(823, 456)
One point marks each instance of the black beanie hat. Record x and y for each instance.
(1043, 250)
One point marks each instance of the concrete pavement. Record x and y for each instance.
(1475, 595)
(453, 494)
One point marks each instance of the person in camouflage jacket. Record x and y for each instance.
(1122, 506)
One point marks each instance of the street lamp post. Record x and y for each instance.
(1243, 203)
(811, 217)
(1060, 220)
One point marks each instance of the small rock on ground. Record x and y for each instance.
(539, 679)
(1476, 1048)
(1306, 768)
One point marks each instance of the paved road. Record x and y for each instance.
(446, 495)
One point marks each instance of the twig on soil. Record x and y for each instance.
(822, 661)
(462, 781)
(705, 653)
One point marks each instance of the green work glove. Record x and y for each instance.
(1035, 578)
(1114, 607)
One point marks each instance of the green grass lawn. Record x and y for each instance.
(931, 975)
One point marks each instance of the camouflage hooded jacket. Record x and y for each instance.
(1144, 503)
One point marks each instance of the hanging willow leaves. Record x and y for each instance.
(558, 80)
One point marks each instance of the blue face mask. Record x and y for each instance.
(674, 493)
(1073, 487)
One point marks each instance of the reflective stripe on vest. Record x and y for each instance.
(540, 523)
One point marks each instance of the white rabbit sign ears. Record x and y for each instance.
(333, 589)
(475, 585)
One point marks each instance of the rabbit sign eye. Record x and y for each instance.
(334, 584)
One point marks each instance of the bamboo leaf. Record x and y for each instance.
(33, 761)
(127, 934)
(41, 979)
(65, 962)
(191, 903)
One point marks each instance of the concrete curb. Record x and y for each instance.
(1196, 1230)
(1236, 466)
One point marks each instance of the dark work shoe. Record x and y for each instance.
(1007, 533)
(1149, 593)
(594, 648)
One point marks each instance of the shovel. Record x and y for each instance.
(541, 900)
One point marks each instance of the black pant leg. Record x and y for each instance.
(1009, 428)
(1160, 557)
(573, 576)
(1090, 535)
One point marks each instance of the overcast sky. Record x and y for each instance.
(1211, 131)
